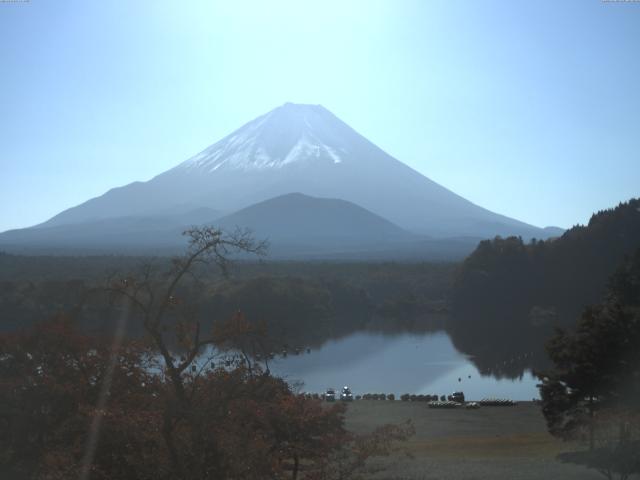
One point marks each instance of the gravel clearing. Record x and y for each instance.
(488, 443)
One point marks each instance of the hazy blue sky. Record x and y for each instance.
(528, 108)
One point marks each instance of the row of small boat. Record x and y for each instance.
(496, 402)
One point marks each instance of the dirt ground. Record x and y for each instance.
(488, 443)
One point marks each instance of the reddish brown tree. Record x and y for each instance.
(53, 381)
(76, 406)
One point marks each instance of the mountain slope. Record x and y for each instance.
(302, 148)
(127, 233)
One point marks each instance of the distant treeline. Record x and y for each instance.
(301, 303)
(509, 295)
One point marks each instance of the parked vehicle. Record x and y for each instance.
(330, 395)
(346, 395)
(456, 397)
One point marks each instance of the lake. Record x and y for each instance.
(398, 363)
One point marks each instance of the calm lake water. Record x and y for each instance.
(400, 363)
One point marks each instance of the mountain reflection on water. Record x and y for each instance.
(420, 363)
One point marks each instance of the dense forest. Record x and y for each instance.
(509, 295)
(301, 303)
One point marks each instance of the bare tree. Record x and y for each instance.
(153, 296)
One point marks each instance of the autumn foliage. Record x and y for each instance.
(53, 381)
(63, 394)
(167, 406)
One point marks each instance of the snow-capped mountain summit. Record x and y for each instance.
(305, 149)
(289, 134)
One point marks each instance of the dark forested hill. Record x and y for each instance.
(512, 294)
(296, 222)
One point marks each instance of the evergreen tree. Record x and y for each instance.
(594, 389)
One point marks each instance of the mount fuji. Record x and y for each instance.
(292, 149)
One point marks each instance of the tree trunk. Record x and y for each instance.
(296, 465)
(167, 435)
(591, 425)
